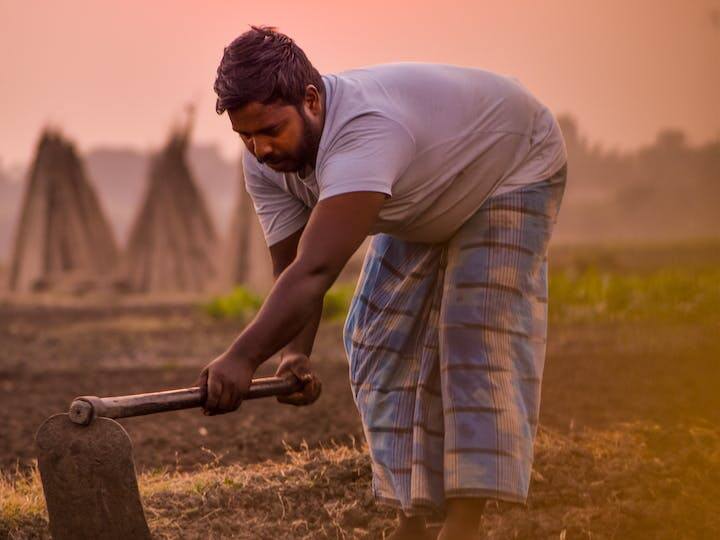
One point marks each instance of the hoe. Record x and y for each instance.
(86, 463)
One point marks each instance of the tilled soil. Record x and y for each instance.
(51, 356)
(596, 375)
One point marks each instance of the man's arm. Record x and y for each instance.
(283, 254)
(295, 357)
(336, 228)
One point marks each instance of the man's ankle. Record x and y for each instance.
(462, 520)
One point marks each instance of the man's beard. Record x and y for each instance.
(302, 160)
(309, 143)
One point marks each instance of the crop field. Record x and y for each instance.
(629, 443)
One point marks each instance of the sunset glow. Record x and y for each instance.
(119, 73)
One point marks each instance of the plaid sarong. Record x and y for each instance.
(446, 344)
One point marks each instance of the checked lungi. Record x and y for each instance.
(446, 344)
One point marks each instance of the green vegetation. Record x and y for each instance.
(577, 294)
(670, 294)
(337, 301)
(242, 304)
(239, 304)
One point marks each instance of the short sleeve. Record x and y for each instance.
(370, 155)
(279, 212)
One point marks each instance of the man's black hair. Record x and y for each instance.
(266, 66)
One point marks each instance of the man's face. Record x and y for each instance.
(279, 135)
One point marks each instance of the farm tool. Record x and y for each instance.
(86, 464)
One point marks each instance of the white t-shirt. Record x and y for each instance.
(437, 139)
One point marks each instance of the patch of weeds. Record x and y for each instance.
(670, 294)
(241, 303)
(337, 301)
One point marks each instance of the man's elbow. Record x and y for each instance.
(318, 269)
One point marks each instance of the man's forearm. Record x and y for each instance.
(294, 302)
(304, 341)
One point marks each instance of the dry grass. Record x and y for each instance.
(634, 481)
(22, 506)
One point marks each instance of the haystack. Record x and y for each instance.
(247, 258)
(172, 245)
(63, 240)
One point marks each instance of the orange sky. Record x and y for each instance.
(119, 72)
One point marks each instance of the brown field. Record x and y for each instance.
(629, 445)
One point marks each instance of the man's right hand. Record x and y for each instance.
(299, 365)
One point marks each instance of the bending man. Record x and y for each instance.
(458, 174)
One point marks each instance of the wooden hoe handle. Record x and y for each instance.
(84, 408)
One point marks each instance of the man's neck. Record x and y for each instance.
(305, 171)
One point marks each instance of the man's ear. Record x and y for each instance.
(312, 99)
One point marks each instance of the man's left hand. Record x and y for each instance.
(299, 365)
(225, 380)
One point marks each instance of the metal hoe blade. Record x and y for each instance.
(86, 464)
(88, 477)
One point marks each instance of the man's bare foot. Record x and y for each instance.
(409, 528)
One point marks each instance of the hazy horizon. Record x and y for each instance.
(120, 74)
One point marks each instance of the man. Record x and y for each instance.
(459, 174)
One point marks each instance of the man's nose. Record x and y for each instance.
(262, 149)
